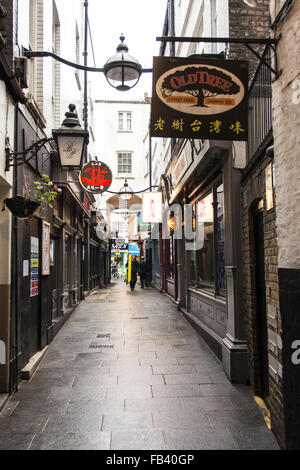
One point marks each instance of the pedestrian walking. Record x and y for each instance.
(143, 273)
(133, 269)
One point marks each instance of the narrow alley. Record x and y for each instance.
(128, 372)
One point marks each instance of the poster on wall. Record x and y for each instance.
(152, 207)
(45, 248)
(34, 266)
(199, 98)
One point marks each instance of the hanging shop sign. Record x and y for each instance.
(152, 207)
(95, 177)
(198, 98)
(141, 226)
(45, 248)
(133, 249)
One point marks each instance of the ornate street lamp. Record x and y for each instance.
(70, 139)
(122, 71)
(126, 192)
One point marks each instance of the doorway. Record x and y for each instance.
(260, 295)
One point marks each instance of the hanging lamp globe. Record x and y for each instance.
(126, 192)
(122, 71)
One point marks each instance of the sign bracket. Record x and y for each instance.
(268, 42)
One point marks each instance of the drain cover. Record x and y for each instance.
(99, 346)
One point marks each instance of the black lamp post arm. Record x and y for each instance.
(13, 158)
(30, 54)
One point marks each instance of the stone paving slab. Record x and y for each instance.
(127, 420)
(141, 440)
(72, 441)
(159, 388)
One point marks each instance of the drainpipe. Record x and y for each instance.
(85, 54)
(13, 384)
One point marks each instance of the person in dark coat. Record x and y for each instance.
(134, 272)
(143, 272)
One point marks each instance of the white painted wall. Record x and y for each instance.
(109, 141)
(71, 20)
(286, 123)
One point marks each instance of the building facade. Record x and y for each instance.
(56, 255)
(122, 133)
(240, 289)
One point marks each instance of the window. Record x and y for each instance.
(205, 256)
(207, 266)
(124, 163)
(214, 20)
(125, 121)
(220, 239)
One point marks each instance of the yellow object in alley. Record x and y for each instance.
(129, 269)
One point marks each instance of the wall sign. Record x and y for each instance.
(95, 177)
(133, 249)
(34, 266)
(199, 98)
(45, 248)
(152, 207)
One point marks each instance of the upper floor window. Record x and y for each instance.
(125, 121)
(124, 163)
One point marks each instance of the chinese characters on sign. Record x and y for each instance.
(199, 99)
(95, 177)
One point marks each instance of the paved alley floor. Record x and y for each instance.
(128, 372)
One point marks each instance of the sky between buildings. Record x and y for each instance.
(141, 21)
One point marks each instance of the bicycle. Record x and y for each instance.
(115, 274)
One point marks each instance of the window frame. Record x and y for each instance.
(124, 121)
(128, 154)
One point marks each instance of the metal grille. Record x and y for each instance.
(260, 107)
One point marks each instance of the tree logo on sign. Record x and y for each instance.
(200, 89)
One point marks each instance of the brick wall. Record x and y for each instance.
(254, 189)
(245, 21)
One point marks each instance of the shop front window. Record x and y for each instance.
(220, 240)
(207, 271)
(205, 256)
(171, 258)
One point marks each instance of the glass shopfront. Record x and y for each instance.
(207, 262)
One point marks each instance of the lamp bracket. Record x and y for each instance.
(30, 54)
(19, 158)
(135, 192)
(267, 42)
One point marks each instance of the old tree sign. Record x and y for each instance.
(199, 98)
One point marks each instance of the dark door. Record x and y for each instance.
(261, 320)
(29, 295)
(54, 263)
